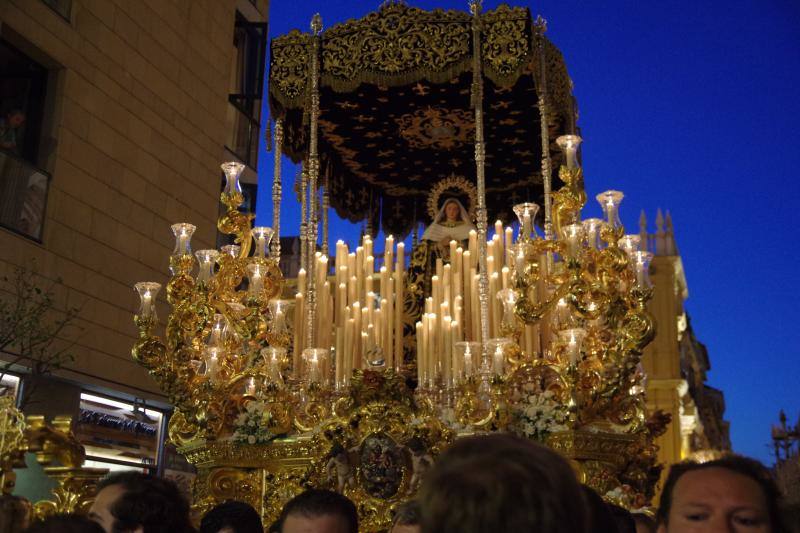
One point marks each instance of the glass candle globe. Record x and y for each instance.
(591, 227)
(526, 213)
(641, 267)
(233, 171)
(569, 145)
(469, 356)
(262, 235)
(610, 201)
(183, 232)
(148, 290)
(207, 259)
(573, 342)
(573, 238)
(630, 244)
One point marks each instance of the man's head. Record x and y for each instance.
(729, 494)
(232, 517)
(319, 511)
(140, 503)
(500, 483)
(406, 519)
(64, 523)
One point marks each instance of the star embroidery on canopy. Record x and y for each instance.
(347, 105)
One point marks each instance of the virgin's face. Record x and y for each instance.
(452, 211)
(717, 499)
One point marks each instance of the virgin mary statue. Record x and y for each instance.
(450, 224)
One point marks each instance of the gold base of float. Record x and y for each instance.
(375, 448)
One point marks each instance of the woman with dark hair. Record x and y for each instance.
(501, 484)
(733, 493)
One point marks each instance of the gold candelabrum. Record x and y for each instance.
(267, 403)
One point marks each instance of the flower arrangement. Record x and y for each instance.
(537, 415)
(254, 424)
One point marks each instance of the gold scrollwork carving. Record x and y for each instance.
(394, 43)
(506, 43)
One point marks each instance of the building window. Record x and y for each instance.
(62, 7)
(250, 43)
(23, 186)
(120, 435)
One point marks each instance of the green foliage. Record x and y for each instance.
(34, 334)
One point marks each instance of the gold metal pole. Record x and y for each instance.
(480, 159)
(304, 215)
(326, 202)
(540, 27)
(313, 178)
(275, 248)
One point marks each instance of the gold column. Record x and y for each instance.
(275, 248)
(313, 178)
(480, 158)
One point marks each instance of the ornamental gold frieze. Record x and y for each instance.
(506, 43)
(399, 45)
(288, 452)
(289, 67)
(395, 44)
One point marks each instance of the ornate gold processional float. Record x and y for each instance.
(358, 375)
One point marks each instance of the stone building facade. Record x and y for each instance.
(676, 362)
(129, 108)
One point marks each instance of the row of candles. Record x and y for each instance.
(359, 309)
(361, 320)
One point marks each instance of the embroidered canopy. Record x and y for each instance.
(395, 108)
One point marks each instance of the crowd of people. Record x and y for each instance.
(495, 483)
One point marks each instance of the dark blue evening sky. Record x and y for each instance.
(689, 106)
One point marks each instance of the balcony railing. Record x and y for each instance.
(23, 196)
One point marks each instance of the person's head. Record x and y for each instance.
(501, 483)
(452, 210)
(232, 517)
(601, 517)
(644, 523)
(64, 523)
(15, 513)
(622, 518)
(733, 494)
(140, 503)
(319, 511)
(406, 519)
